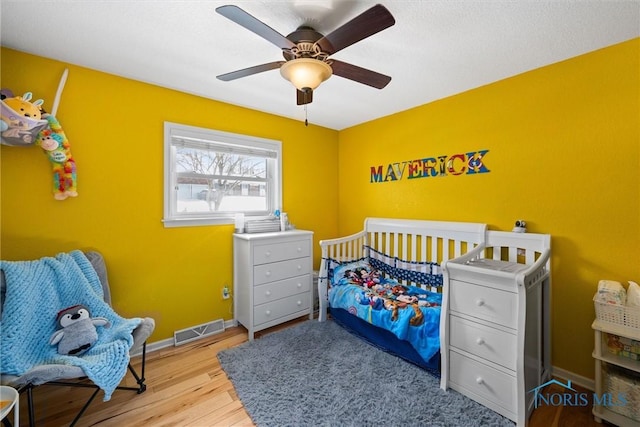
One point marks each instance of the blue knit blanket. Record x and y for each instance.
(36, 292)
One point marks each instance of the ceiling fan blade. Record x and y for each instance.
(362, 26)
(304, 96)
(359, 74)
(251, 23)
(249, 71)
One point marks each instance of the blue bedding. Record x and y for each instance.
(409, 312)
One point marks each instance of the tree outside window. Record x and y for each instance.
(210, 176)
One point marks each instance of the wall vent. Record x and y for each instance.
(197, 332)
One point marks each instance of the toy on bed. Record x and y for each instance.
(382, 283)
(76, 331)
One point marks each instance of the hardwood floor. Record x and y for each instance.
(187, 387)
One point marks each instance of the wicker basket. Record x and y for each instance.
(622, 382)
(617, 314)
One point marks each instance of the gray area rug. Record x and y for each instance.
(318, 374)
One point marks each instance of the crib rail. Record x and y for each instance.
(423, 241)
(344, 249)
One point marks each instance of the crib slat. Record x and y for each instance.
(445, 249)
(414, 249)
(434, 249)
(403, 253)
(457, 248)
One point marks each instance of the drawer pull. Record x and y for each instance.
(268, 293)
(299, 302)
(479, 380)
(268, 312)
(299, 285)
(480, 302)
(299, 249)
(268, 273)
(480, 341)
(267, 254)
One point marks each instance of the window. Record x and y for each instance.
(209, 176)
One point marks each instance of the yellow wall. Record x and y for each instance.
(564, 144)
(115, 126)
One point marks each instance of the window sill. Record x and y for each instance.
(196, 222)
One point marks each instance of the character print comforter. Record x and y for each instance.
(409, 312)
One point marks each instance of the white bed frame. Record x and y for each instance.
(406, 239)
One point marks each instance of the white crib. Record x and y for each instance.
(411, 244)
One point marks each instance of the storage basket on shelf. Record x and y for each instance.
(621, 315)
(625, 384)
(622, 346)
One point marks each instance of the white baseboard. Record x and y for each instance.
(169, 342)
(585, 382)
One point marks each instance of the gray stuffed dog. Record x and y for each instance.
(76, 330)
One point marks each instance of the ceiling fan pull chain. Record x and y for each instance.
(306, 122)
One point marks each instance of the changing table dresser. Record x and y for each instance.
(495, 328)
(272, 275)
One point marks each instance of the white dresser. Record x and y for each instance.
(272, 275)
(495, 330)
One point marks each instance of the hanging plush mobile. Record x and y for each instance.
(56, 146)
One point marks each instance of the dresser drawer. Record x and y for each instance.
(483, 380)
(275, 290)
(486, 303)
(273, 310)
(489, 343)
(275, 271)
(273, 252)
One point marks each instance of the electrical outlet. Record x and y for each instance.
(225, 292)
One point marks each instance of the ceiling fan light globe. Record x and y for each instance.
(306, 73)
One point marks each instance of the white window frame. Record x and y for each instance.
(174, 132)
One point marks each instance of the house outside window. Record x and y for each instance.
(210, 176)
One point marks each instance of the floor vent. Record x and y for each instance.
(196, 332)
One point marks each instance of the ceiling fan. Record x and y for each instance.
(307, 52)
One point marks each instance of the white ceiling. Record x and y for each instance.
(435, 49)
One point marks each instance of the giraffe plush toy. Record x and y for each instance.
(56, 146)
